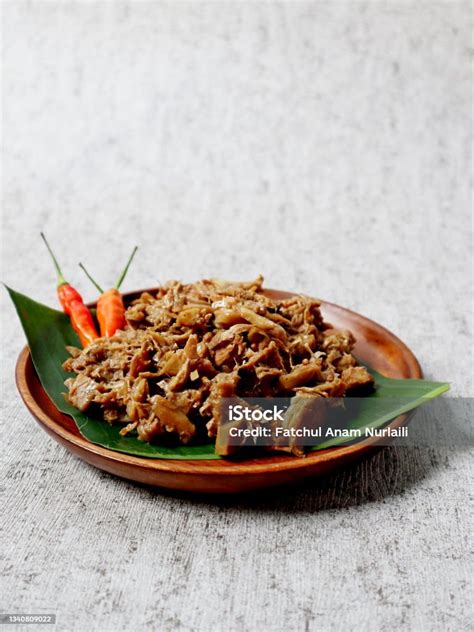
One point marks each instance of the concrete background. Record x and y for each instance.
(326, 145)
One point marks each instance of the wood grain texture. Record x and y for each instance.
(326, 145)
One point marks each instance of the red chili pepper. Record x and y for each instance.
(73, 305)
(110, 307)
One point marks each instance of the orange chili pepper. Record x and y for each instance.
(110, 312)
(110, 307)
(73, 305)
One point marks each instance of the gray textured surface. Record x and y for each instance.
(324, 144)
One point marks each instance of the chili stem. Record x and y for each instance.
(61, 279)
(91, 279)
(125, 270)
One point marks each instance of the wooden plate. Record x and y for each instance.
(375, 346)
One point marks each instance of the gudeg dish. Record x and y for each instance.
(375, 346)
(186, 347)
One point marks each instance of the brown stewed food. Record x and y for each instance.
(187, 346)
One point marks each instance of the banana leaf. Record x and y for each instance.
(48, 331)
